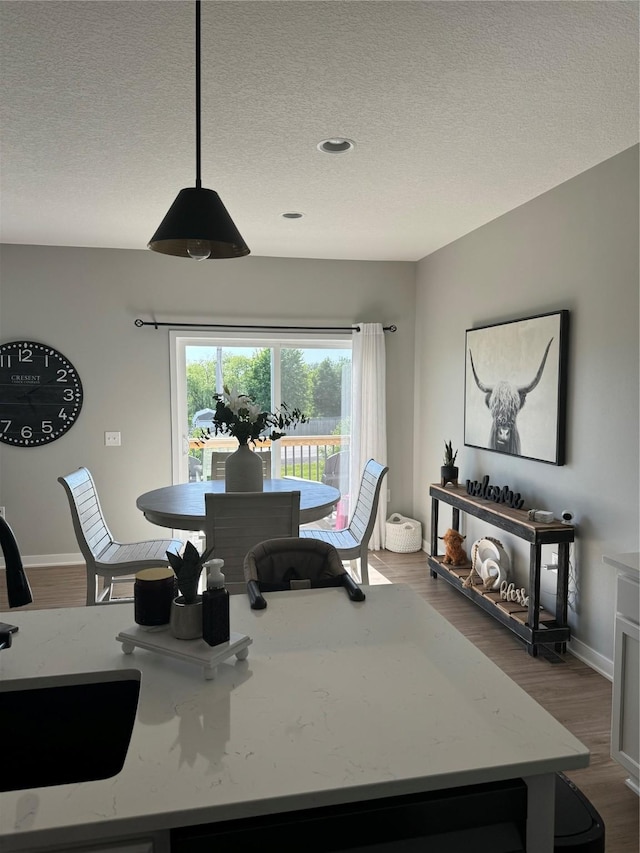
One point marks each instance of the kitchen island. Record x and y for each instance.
(338, 702)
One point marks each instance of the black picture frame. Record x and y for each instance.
(516, 387)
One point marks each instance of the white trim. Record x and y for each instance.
(180, 339)
(179, 442)
(38, 561)
(593, 659)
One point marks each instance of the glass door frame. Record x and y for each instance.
(277, 340)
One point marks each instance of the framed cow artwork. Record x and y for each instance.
(516, 387)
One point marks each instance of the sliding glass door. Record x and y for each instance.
(313, 374)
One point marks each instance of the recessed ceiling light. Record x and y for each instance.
(336, 145)
(292, 215)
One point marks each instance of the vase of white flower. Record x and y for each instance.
(240, 416)
(243, 471)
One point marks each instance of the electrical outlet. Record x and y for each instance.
(549, 559)
(112, 439)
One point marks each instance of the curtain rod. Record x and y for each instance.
(139, 323)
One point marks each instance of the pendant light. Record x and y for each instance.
(197, 224)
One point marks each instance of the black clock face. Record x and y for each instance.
(40, 394)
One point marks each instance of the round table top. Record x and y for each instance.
(181, 507)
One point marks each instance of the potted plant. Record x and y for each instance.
(239, 415)
(449, 471)
(186, 609)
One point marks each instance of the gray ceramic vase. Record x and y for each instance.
(243, 471)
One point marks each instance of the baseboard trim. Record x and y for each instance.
(591, 657)
(38, 561)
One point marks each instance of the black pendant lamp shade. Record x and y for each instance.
(197, 224)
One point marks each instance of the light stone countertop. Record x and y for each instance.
(338, 701)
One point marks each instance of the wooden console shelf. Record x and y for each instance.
(534, 625)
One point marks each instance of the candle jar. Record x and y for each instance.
(153, 592)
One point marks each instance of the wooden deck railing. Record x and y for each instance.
(300, 456)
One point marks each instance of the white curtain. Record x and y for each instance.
(368, 416)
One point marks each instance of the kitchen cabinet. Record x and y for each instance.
(625, 720)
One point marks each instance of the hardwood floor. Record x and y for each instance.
(571, 691)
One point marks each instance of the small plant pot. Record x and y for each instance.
(449, 474)
(186, 619)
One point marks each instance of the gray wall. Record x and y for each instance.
(574, 247)
(84, 302)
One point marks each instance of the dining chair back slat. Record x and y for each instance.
(352, 543)
(236, 521)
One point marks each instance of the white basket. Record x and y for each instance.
(404, 535)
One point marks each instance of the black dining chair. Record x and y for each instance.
(277, 565)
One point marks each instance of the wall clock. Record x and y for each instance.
(40, 394)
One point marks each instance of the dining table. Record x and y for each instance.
(182, 506)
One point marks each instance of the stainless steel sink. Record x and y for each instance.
(67, 728)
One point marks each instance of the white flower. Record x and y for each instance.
(253, 410)
(235, 400)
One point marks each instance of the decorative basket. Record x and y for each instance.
(403, 535)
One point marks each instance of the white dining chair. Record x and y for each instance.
(236, 521)
(352, 543)
(107, 561)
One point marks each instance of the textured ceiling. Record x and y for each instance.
(460, 112)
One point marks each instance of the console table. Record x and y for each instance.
(532, 623)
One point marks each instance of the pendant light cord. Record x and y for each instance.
(198, 225)
(198, 122)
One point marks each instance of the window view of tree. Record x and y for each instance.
(201, 379)
(315, 380)
(236, 370)
(316, 389)
(296, 381)
(326, 387)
